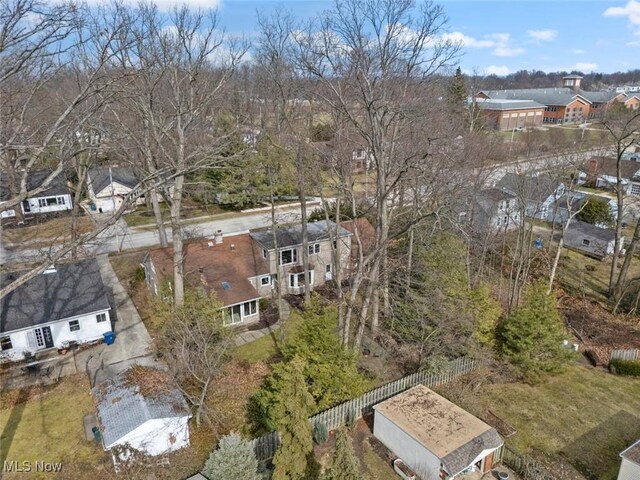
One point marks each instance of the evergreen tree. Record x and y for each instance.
(292, 411)
(345, 463)
(457, 92)
(532, 336)
(596, 212)
(234, 458)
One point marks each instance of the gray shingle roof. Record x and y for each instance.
(100, 177)
(599, 97)
(58, 185)
(589, 230)
(544, 96)
(460, 459)
(122, 409)
(528, 187)
(503, 104)
(73, 289)
(291, 236)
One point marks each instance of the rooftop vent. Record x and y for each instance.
(226, 286)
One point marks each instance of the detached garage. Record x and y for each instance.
(433, 436)
(630, 466)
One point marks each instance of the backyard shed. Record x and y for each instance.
(143, 409)
(433, 436)
(591, 240)
(630, 466)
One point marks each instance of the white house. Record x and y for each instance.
(535, 193)
(152, 418)
(495, 210)
(66, 303)
(55, 198)
(630, 465)
(434, 437)
(109, 187)
(591, 239)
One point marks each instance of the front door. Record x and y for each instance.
(44, 339)
(26, 206)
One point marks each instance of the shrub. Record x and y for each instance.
(625, 367)
(320, 433)
(234, 458)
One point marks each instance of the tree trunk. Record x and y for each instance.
(303, 211)
(77, 194)
(624, 270)
(201, 402)
(618, 228)
(178, 242)
(157, 213)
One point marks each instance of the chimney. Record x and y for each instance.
(217, 237)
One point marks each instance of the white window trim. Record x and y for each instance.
(295, 277)
(268, 278)
(294, 256)
(71, 328)
(101, 315)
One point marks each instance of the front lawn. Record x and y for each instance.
(583, 416)
(36, 233)
(47, 425)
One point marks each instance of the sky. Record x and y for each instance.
(504, 36)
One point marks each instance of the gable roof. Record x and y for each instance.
(607, 166)
(588, 230)
(452, 434)
(122, 407)
(599, 97)
(74, 289)
(100, 178)
(58, 185)
(537, 188)
(291, 236)
(209, 267)
(546, 96)
(632, 453)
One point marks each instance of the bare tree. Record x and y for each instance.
(371, 61)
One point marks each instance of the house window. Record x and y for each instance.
(234, 315)
(250, 308)
(60, 200)
(47, 202)
(74, 325)
(586, 242)
(101, 317)
(315, 248)
(289, 256)
(505, 115)
(264, 253)
(5, 343)
(635, 189)
(296, 280)
(266, 280)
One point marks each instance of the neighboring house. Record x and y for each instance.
(535, 194)
(109, 187)
(66, 303)
(243, 268)
(571, 202)
(495, 210)
(630, 464)
(508, 114)
(434, 437)
(152, 419)
(55, 198)
(601, 172)
(367, 235)
(590, 239)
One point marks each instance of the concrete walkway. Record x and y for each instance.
(133, 342)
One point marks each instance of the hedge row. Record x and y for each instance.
(625, 367)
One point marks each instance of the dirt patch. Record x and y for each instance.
(43, 230)
(151, 382)
(598, 329)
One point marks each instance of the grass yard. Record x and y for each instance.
(42, 235)
(583, 416)
(46, 425)
(143, 216)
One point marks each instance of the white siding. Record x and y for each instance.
(35, 207)
(90, 330)
(421, 460)
(158, 436)
(629, 470)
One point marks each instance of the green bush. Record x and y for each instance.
(320, 433)
(625, 367)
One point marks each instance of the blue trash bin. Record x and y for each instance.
(93, 207)
(109, 337)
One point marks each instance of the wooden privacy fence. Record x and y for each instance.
(350, 411)
(625, 354)
(524, 465)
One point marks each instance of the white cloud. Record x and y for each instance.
(631, 10)
(584, 67)
(634, 44)
(498, 41)
(542, 35)
(504, 51)
(499, 70)
(578, 51)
